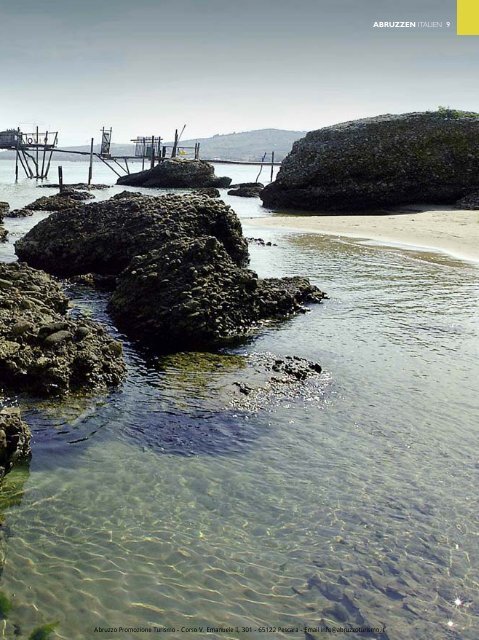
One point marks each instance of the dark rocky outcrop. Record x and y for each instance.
(102, 237)
(470, 201)
(246, 189)
(4, 209)
(176, 173)
(381, 161)
(127, 195)
(44, 351)
(190, 294)
(65, 200)
(14, 439)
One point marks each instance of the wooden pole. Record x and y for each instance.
(144, 153)
(36, 156)
(16, 164)
(272, 166)
(51, 154)
(45, 142)
(90, 168)
(175, 146)
(23, 165)
(152, 164)
(25, 158)
(60, 178)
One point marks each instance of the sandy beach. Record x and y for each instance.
(455, 232)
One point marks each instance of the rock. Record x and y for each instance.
(269, 379)
(4, 209)
(190, 294)
(44, 351)
(14, 439)
(19, 213)
(382, 161)
(176, 173)
(247, 185)
(260, 242)
(246, 189)
(95, 280)
(471, 201)
(220, 380)
(127, 194)
(3, 232)
(83, 186)
(102, 237)
(211, 192)
(62, 201)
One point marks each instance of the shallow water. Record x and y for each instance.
(161, 507)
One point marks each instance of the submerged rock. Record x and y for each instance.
(44, 351)
(176, 173)
(190, 294)
(14, 439)
(261, 242)
(102, 237)
(246, 189)
(381, 161)
(215, 393)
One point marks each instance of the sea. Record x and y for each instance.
(160, 511)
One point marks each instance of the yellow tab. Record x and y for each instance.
(468, 17)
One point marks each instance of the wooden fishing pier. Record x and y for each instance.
(34, 151)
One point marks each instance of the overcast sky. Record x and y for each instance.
(147, 66)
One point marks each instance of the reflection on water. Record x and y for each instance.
(359, 508)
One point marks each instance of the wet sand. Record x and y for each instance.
(437, 228)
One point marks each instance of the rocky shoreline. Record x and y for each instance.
(179, 263)
(44, 352)
(175, 267)
(42, 349)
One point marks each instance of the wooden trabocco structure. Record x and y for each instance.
(33, 150)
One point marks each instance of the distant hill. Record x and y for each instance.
(246, 145)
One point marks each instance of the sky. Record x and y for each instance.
(147, 67)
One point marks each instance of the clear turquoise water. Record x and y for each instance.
(159, 506)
